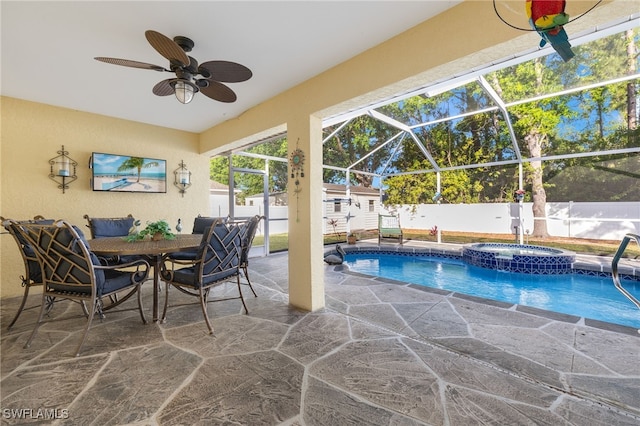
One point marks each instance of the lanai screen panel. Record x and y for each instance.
(430, 107)
(596, 61)
(475, 139)
(361, 145)
(592, 120)
(602, 178)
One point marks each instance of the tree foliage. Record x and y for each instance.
(474, 151)
(578, 122)
(252, 183)
(354, 143)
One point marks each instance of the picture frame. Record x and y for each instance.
(127, 173)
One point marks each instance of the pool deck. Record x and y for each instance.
(380, 352)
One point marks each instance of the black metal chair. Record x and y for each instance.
(32, 275)
(217, 261)
(71, 271)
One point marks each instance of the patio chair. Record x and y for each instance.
(200, 225)
(248, 232)
(71, 271)
(217, 261)
(102, 227)
(32, 275)
(389, 227)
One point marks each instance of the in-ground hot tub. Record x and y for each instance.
(519, 258)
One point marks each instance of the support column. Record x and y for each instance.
(306, 266)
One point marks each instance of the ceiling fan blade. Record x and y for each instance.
(225, 71)
(164, 88)
(167, 47)
(129, 63)
(219, 92)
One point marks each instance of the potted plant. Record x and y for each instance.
(159, 230)
(351, 238)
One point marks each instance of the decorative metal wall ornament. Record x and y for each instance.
(297, 163)
(296, 166)
(182, 178)
(61, 169)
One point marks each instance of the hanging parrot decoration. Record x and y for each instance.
(547, 18)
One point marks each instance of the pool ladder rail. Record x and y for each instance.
(614, 267)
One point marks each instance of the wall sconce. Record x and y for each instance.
(182, 178)
(63, 169)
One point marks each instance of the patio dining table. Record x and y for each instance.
(118, 246)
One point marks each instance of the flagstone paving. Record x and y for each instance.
(379, 353)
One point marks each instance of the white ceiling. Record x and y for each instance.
(48, 50)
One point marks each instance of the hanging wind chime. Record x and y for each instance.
(296, 166)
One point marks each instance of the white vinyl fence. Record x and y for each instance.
(605, 221)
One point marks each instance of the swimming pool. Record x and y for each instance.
(573, 294)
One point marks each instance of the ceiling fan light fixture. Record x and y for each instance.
(185, 84)
(184, 91)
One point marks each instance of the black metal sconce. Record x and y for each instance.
(63, 169)
(182, 178)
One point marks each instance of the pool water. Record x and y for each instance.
(573, 294)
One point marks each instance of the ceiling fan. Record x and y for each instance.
(190, 77)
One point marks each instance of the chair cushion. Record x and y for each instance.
(248, 233)
(115, 280)
(111, 227)
(220, 255)
(107, 281)
(184, 255)
(189, 276)
(28, 250)
(99, 273)
(33, 267)
(35, 274)
(200, 224)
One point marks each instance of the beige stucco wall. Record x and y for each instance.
(32, 133)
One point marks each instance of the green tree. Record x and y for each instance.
(353, 143)
(586, 121)
(471, 139)
(251, 184)
(608, 120)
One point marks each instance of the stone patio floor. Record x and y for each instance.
(380, 353)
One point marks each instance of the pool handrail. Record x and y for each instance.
(614, 267)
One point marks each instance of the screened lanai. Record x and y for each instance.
(531, 123)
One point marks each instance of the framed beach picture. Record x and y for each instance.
(122, 173)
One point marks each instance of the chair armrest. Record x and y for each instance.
(189, 262)
(137, 263)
